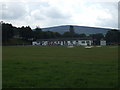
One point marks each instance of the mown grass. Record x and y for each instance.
(60, 67)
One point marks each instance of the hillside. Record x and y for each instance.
(78, 29)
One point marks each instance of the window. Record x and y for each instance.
(83, 41)
(87, 42)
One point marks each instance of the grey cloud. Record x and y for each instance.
(108, 23)
(45, 11)
(56, 14)
(56, 22)
(36, 5)
(37, 15)
(112, 9)
(49, 15)
(12, 10)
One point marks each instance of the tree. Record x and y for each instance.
(7, 32)
(16, 32)
(57, 35)
(72, 31)
(112, 37)
(38, 34)
(82, 35)
(38, 28)
(97, 37)
(26, 32)
(48, 34)
(66, 34)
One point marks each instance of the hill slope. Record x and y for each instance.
(78, 29)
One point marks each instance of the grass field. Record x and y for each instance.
(60, 67)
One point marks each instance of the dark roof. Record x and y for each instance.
(65, 39)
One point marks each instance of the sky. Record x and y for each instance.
(48, 13)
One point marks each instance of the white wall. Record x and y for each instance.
(103, 43)
(61, 43)
(80, 42)
(90, 42)
(69, 43)
(74, 42)
(45, 42)
(35, 43)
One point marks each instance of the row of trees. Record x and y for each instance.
(26, 33)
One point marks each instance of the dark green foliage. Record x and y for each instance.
(49, 34)
(38, 28)
(7, 32)
(82, 35)
(45, 35)
(57, 35)
(38, 34)
(97, 38)
(26, 33)
(16, 32)
(71, 30)
(113, 37)
(67, 34)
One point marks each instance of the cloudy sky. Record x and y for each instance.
(48, 13)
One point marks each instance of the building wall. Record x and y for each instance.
(66, 43)
(35, 43)
(103, 42)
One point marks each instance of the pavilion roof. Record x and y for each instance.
(64, 39)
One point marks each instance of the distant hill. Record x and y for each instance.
(78, 29)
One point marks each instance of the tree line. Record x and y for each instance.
(27, 34)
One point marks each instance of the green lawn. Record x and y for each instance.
(60, 67)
